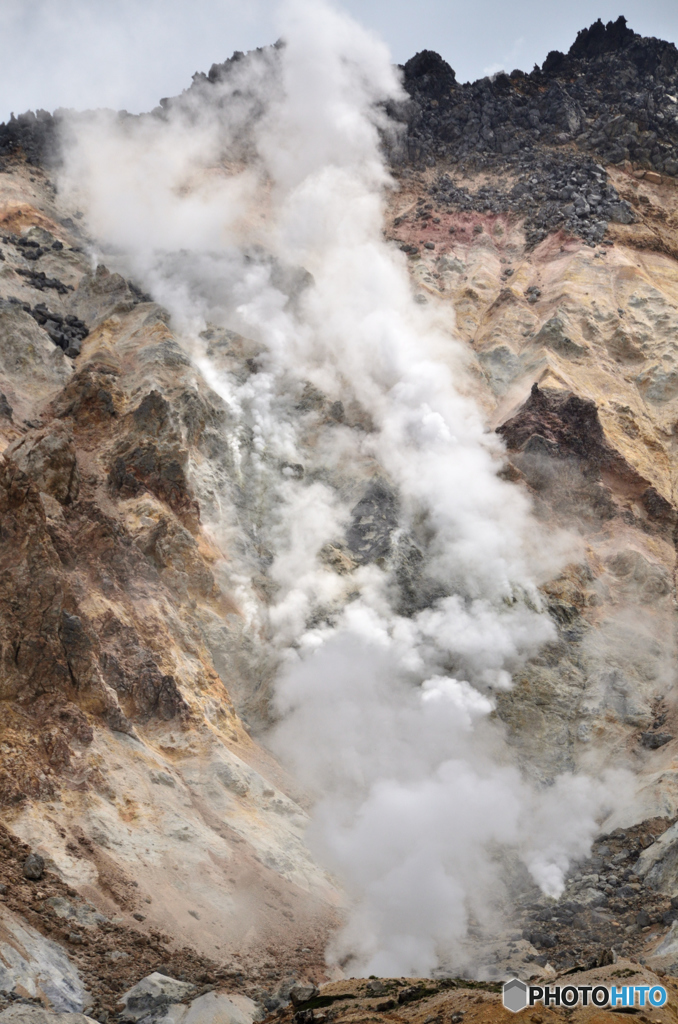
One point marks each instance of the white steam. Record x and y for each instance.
(385, 711)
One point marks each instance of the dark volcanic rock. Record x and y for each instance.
(598, 39)
(552, 192)
(34, 867)
(557, 442)
(5, 408)
(33, 134)
(654, 740)
(612, 95)
(568, 424)
(68, 332)
(428, 71)
(39, 280)
(373, 520)
(561, 425)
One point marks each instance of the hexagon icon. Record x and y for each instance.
(514, 995)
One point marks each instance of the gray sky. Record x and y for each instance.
(129, 53)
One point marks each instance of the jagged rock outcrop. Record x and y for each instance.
(33, 134)
(612, 95)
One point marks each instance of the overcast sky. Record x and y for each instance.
(129, 53)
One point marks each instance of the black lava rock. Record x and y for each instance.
(612, 95)
(33, 134)
(68, 332)
(552, 193)
(39, 280)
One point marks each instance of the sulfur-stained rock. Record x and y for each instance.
(501, 365)
(175, 552)
(103, 294)
(119, 609)
(553, 335)
(92, 397)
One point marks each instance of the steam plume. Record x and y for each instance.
(385, 708)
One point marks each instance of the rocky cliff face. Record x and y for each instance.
(538, 218)
(587, 430)
(124, 760)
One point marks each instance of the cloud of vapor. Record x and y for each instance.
(385, 712)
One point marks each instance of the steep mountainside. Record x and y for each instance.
(538, 216)
(124, 760)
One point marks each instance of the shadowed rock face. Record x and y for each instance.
(570, 423)
(561, 426)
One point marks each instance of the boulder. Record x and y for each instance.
(654, 740)
(157, 1003)
(302, 992)
(669, 945)
(219, 1008)
(151, 993)
(590, 897)
(34, 867)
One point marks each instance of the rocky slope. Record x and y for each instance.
(575, 357)
(124, 761)
(131, 684)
